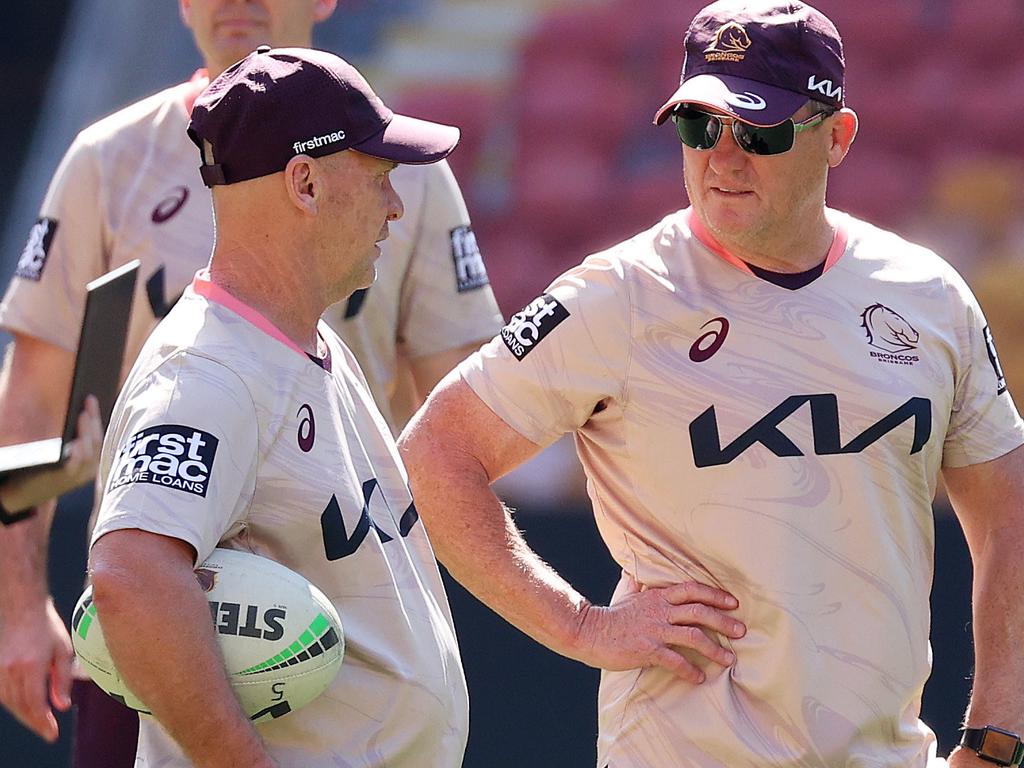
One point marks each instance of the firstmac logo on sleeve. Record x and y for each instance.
(171, 455)
(470, 272)
(33, 257)
(527, 327)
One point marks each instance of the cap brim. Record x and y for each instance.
(750, 101)
(411, 141)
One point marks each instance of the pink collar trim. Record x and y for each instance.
(204, 286)
(835, 252)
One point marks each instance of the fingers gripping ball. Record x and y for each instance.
(280, 636)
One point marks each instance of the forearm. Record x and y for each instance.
(23, 552)
(453, 449)
(998, 698)
(136, 602)
(474, 535)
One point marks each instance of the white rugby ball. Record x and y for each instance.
(281, 638)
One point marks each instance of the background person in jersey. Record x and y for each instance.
(128, 188)
(763, 392)
(293, 459)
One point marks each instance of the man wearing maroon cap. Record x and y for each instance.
(128, 188)
(763, 392)
(299, 465)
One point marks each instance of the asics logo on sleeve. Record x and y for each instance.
(528, 327)
(171, 455)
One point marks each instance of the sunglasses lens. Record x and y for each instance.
(697, 130)
(773, 140)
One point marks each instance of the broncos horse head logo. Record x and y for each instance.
(888, 330)
(730, 38)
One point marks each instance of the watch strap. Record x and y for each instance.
(974, 739)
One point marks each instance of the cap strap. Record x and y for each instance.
(212, 174)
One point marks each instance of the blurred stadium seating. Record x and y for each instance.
(568, 129)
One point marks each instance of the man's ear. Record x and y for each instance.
(844, 131)
(304, 184)
(323, 9)
(185, 9)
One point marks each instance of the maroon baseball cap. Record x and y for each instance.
(759, 60)
(278, 103)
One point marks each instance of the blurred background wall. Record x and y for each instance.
(559, 158)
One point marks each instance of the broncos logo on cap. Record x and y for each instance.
(888, 330)
(732, 39)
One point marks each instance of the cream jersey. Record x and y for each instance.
(129, 188)
(228, 434)
(781, 444)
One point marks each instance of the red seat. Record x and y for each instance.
(467, 107)
(986, 32)
(517, 261)
(879, 185)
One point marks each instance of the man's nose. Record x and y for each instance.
(726, 155)
(396, 208)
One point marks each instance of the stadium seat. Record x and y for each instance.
(468, 107)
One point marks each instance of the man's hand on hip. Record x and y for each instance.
(647, 627)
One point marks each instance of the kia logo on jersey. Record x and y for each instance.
(708, 451)
(170, 205)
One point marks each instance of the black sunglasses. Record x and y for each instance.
(702, 130)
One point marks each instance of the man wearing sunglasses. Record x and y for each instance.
(763, 392)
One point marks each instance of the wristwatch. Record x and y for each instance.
(994, 745)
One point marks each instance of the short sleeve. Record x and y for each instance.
(984, 423)
(65, 249)
(180, 456)
(446, 298)
(561, 358)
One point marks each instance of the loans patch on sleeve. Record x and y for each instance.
(470, 272)
(529, 326)
(993, 358)
(171, 455)
(33, 258)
